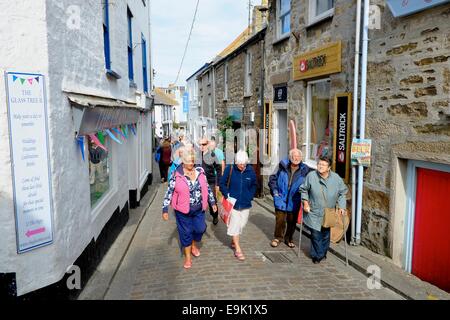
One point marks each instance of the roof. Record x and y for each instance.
(161, 98)
(198, 71)
(236, 43)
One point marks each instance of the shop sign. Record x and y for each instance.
(236, 113)
(342, 131)
(401, 8)
(323, 61)
(280, 94)
(267, 127)
(361, 152)
(30, 164)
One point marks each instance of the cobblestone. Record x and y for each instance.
(217, 274)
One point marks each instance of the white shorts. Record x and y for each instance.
(238, 220)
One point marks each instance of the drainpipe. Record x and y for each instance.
(362, 116)
(355, 112)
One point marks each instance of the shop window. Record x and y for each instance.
(318, 123)
(284, 18)
(320, 9)
(99, 171)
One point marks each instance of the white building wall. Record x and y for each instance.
(74, 63)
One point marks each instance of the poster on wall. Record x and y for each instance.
(30, 164)
(361, 152)
(342, 131)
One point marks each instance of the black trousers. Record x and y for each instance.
(212, 186)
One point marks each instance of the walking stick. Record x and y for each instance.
(300, 238)
(345, 238)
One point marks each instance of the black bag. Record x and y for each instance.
(96, 155)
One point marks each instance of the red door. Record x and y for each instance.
(431, 246)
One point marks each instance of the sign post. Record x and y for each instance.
(342, 131)
(30, 167)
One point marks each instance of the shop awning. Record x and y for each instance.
(93, 114)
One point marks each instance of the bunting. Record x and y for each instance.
(119, 133)
(22, 80)
(95, 140)
(132, 129)
(113, 137)
(80, 141)
(101, 137)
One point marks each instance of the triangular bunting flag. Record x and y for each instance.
(124, 130)
(37, 79)
(132, 129)
(22, 80)
(95, 140)
(14, 78)
(30, 80)
(113, 137)
(101, 137)
(80, 141)
(120, 134)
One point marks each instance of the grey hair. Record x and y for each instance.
(187, 155)
(241, 157)
(292, 151)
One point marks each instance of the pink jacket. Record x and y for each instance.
(181, 195)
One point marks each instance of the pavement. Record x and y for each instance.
(146, 263)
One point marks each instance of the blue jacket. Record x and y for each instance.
(242, 186)
(287, 199)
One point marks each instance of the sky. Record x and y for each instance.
(217, 24)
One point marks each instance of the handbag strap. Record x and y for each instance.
(229, 177)
(323, 194)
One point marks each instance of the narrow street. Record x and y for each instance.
(153, 266)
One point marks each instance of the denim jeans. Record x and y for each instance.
(320, 242)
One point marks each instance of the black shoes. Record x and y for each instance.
(215, 219)
(315, 261)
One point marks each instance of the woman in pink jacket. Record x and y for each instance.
(189, 193)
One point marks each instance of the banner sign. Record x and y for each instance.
(342, 132)
(280, 94)
(186, 102)
(267, 127)
(401, 8)
(27, 115)
(361, 152)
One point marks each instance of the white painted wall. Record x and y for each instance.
(34, 37)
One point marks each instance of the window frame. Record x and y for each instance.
(248, 74)
(279, 17)
(225, 81)
(144, 64)
(106, 36)
(308, 160)
(313, 17)
(130, 45)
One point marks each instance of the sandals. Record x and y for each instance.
(275, 243)
(239, 255)
(195, 252)
(290, 244)
(187, 264)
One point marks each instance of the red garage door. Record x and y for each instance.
(431, 247)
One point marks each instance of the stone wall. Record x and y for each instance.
(408, 105)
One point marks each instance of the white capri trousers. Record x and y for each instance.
(238, 220)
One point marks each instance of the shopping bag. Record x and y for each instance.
(337, 232)
(225, 208)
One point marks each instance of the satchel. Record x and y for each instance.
(330, 215)
(225, 206)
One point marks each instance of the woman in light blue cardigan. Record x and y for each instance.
(321, 189)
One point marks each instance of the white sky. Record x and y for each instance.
(217, 24)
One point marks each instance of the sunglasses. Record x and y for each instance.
(204, 144)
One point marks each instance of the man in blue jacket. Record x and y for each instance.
(284, 186)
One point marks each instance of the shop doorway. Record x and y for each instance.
(428, 245)
(282, 122)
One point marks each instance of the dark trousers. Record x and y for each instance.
(285, 222)
(191, 226)
(320, 242)
(212, 186)
(163, 170)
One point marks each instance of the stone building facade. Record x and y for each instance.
(408, 120)
(307, 37)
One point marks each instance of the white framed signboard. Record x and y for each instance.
(30, 166)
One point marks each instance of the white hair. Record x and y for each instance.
(187, 155)
(292, 151)
(241, 157)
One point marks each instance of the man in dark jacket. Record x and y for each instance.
(213, 170)
(284, 186)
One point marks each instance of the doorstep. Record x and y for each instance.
(392, 276)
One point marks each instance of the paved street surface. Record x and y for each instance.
(153, 266)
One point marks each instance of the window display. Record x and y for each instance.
(99, 171)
